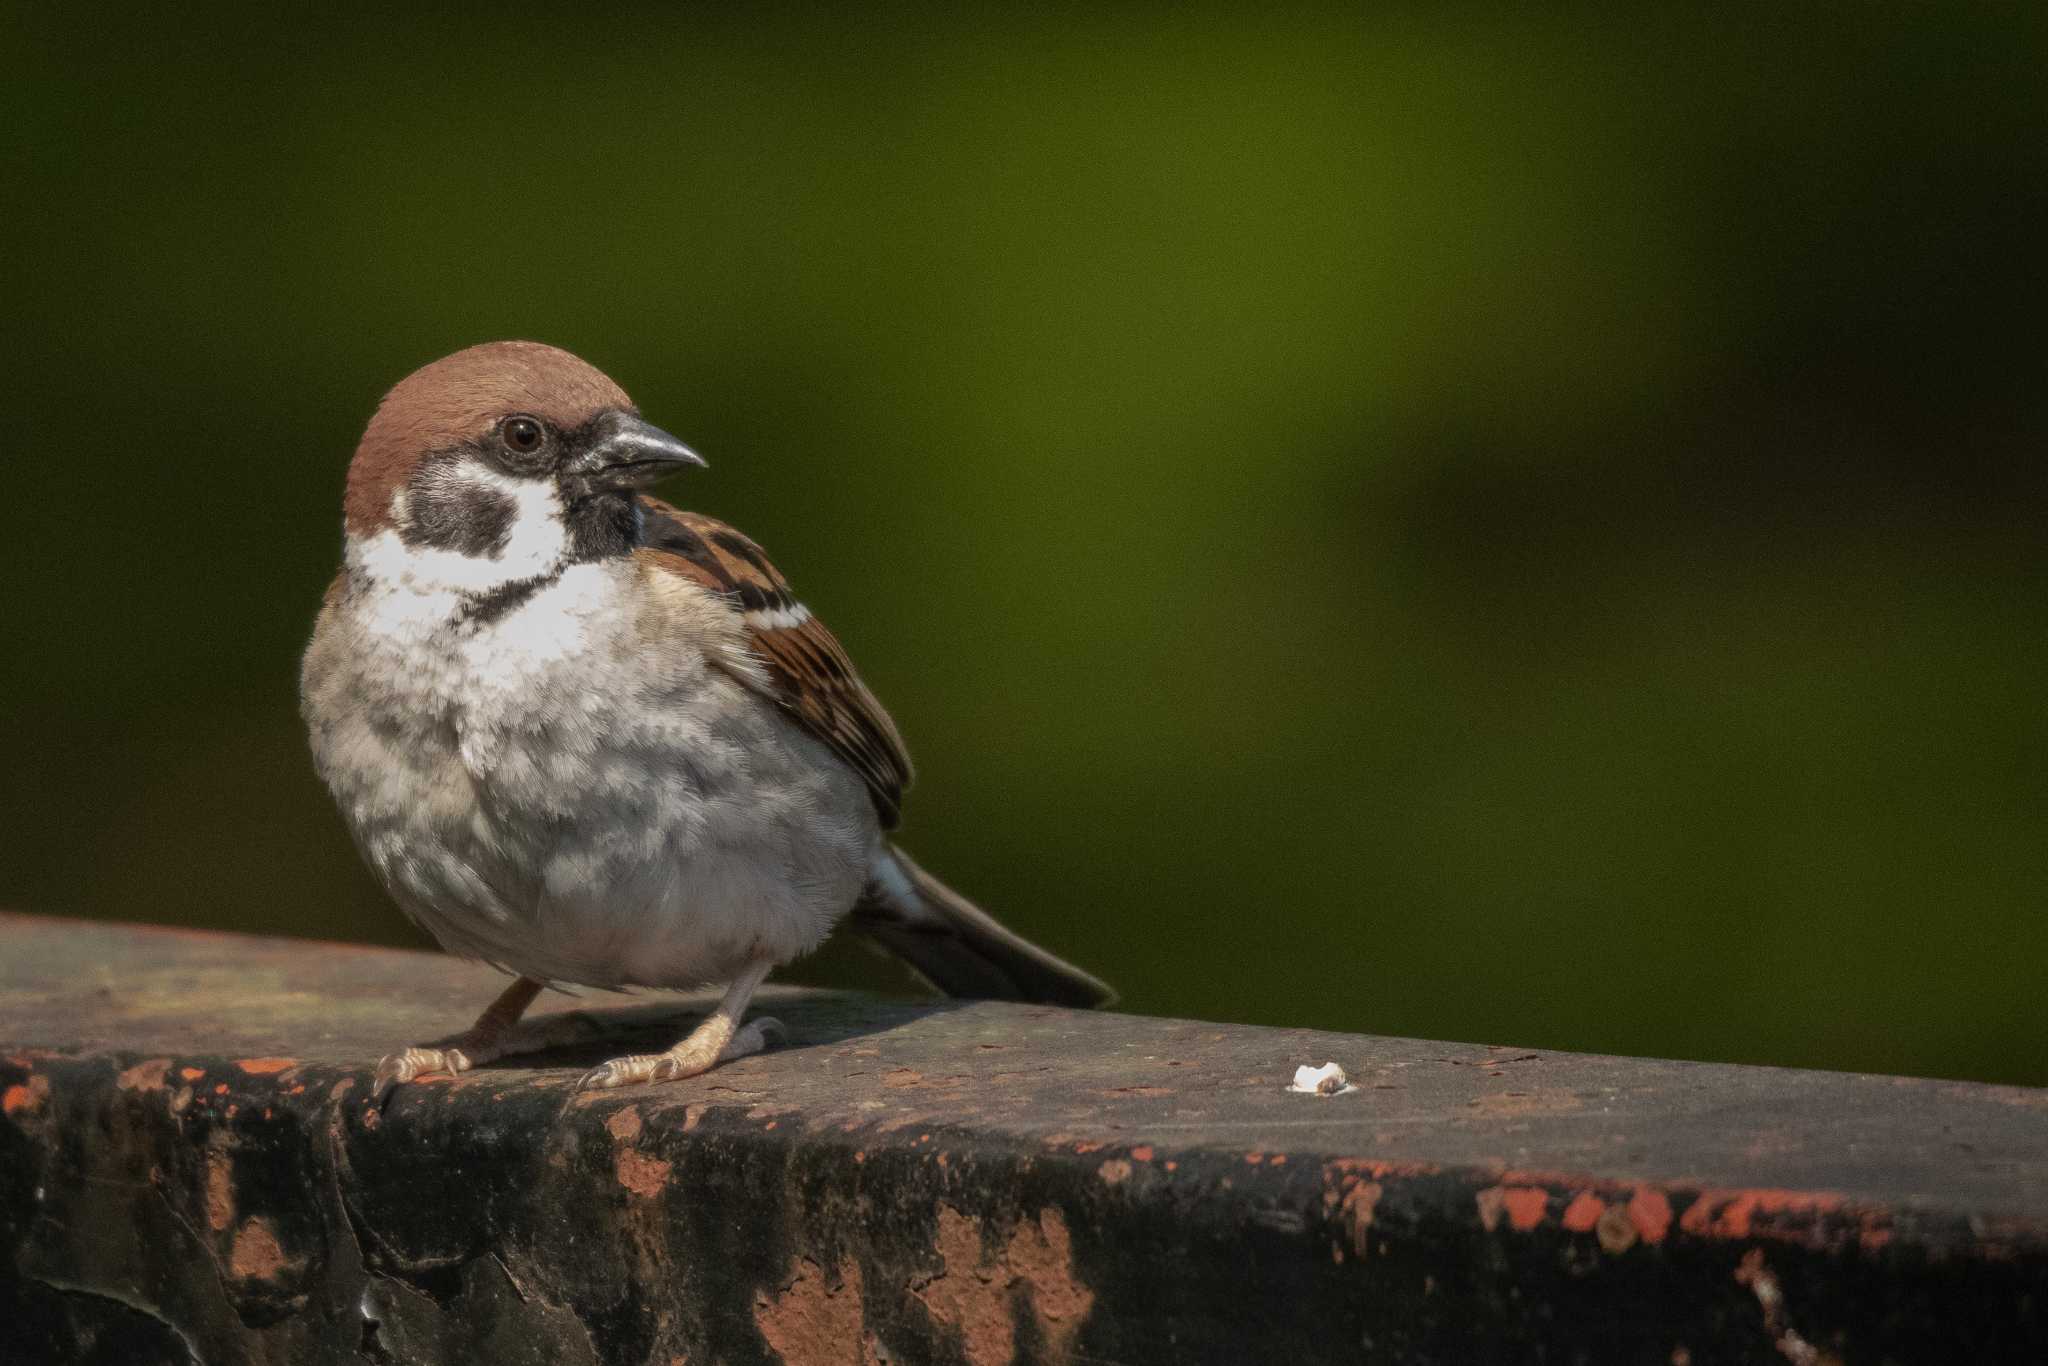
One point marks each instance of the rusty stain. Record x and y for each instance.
(220, 1190)
(811, 1320)
(25, 1097)
(144, 1076)
(191, 1073)
(256, 1254)
(644, 1176)
(625, 1125)
(1357, 1206)
(974, 1293)
(221, 1089)
(1616, 1230)
(1114, 1171)
(265, 1067)
(1489, 1202)
(898, 1078)
(1142, 1153)
(1584, 1212)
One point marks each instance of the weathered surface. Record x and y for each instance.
(189, 1171)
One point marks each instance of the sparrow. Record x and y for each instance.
(595, 740)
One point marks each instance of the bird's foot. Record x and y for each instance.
(399, 1068)
(706, 1047)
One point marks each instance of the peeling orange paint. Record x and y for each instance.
(625, 1125)
(264, 1067)
(191, 1073)
(811, 1320)
(1141, 1153)
(220, 1191)
(1358, 1205)
(1525, 1205)
(644, 1176)
(1489, 1202)
(26, 1097)
(1650, 1212)
(1584, 1212)
(144, 1076)
(1733, 1213)
(974, 1293)
(256, 1253)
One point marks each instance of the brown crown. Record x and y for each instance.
(459, 398)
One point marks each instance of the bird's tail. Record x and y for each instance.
(960, 948)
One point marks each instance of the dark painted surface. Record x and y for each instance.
(189, 1170)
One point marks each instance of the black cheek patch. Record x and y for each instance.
(448, 513)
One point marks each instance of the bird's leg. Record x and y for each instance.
(484, 1040)
(720, 1038)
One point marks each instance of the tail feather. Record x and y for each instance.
(960, 948)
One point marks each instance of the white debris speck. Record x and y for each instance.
(1327, 1080)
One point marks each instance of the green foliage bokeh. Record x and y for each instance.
(1520, 527)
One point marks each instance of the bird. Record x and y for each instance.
(597, 741)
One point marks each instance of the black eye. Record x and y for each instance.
(522, 434)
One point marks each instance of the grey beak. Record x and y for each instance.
(632, 453)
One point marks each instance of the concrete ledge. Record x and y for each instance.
(189, 1171)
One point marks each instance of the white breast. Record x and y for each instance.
(548, 790)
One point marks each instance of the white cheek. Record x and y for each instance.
(538, 540)
(535, 546)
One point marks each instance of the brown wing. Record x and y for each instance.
(809, 674)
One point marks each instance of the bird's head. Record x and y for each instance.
(500, 462)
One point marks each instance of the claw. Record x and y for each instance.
(399, 1068)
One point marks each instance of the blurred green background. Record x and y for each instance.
(1517, 527)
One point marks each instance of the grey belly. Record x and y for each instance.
(668, 853)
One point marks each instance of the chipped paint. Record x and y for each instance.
(974, 1293)
(1062, 1234)
(1525, 1205)
(256, 1255)
(25, 1098)
(818, 1318)
(265, 1067)
(624, 1127)
(220, 1189)
(644, 1176)
(1649, 1213)
(1357, 1209)
(144, 1076)
(1584, 1212)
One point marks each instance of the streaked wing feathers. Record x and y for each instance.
(809, 673)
